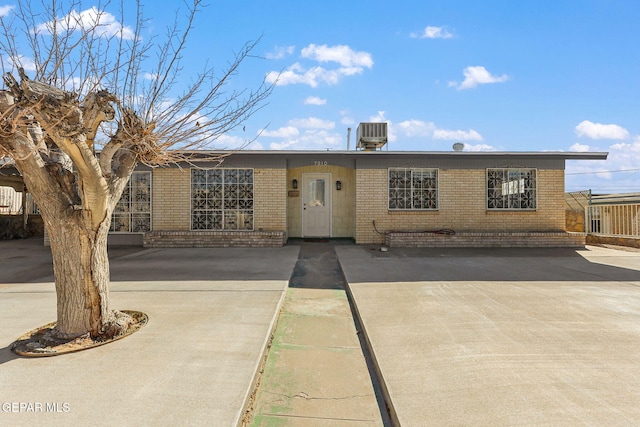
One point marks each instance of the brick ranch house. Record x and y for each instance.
(263, 198)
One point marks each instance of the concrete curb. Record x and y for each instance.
(368, 351)
(245, 409)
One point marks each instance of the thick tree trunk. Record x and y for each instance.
(81, 268)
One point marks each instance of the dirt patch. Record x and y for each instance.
(42, 342)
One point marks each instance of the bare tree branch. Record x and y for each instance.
(75, 81)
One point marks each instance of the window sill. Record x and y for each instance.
(511, 210)
(401, 211)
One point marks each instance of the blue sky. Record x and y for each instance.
(496, 75)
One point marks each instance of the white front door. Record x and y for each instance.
(316, 205)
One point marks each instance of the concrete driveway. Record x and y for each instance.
(460, 337)
(210, 312)
(502, 337)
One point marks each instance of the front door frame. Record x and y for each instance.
(328, 199)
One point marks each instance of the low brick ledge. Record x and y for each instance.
(485, 240)
(597, 239)
(214, 239)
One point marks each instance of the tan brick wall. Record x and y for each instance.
(172, 199)
(171, 203)
(343, 201)
(462, 206)
(270, 199)
(462, 203)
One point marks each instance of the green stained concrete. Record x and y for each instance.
(315, 372)
(269, 421)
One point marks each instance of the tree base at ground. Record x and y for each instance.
(43, 341)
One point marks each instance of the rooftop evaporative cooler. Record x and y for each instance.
(371, 136)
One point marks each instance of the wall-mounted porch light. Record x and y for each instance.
(294, 184)
(338, 185)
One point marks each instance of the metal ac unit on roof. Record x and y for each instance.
(371, 136)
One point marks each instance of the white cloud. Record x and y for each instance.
(103, 23)
(310, 133)
(414, 128)
(417, 128)
(457, 135)
(283, 132)
(632, 148)
(477, 75)
(351, 63)
(254, 145)
(280, 52)
(281, 145)
(600, 131)
(606, 176)
(479, 147)
(21, 61)
(312, 123)
(5, 10)
(350, 71)
(380, 117)
(348, 120)
(432, 32)
(580, 148)
(150, 76)
(229, 142)
(314, 100)
(77, 84)
(296, 74)
(341, 54)
(312, 139)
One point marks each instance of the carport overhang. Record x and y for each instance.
(15, 182)
(10, 177)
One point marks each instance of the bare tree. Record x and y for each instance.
(100, 99)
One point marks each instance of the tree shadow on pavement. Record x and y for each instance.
(488, 264)
(6, 355)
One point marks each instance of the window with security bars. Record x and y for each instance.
(413, 189)
(222, 199)
(132, 214)
(510, 188)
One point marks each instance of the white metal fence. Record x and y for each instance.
(618, 220)
(11, 202)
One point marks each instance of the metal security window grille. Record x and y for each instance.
(413, 189)
(222, 199)
(513, 189)
(132, 214)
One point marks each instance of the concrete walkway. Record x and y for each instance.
(211, 312)
(502, 337)
(316, 373)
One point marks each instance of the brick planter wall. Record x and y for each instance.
(11, 226)
(214, 239)
(619, 241)
(485, 240)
